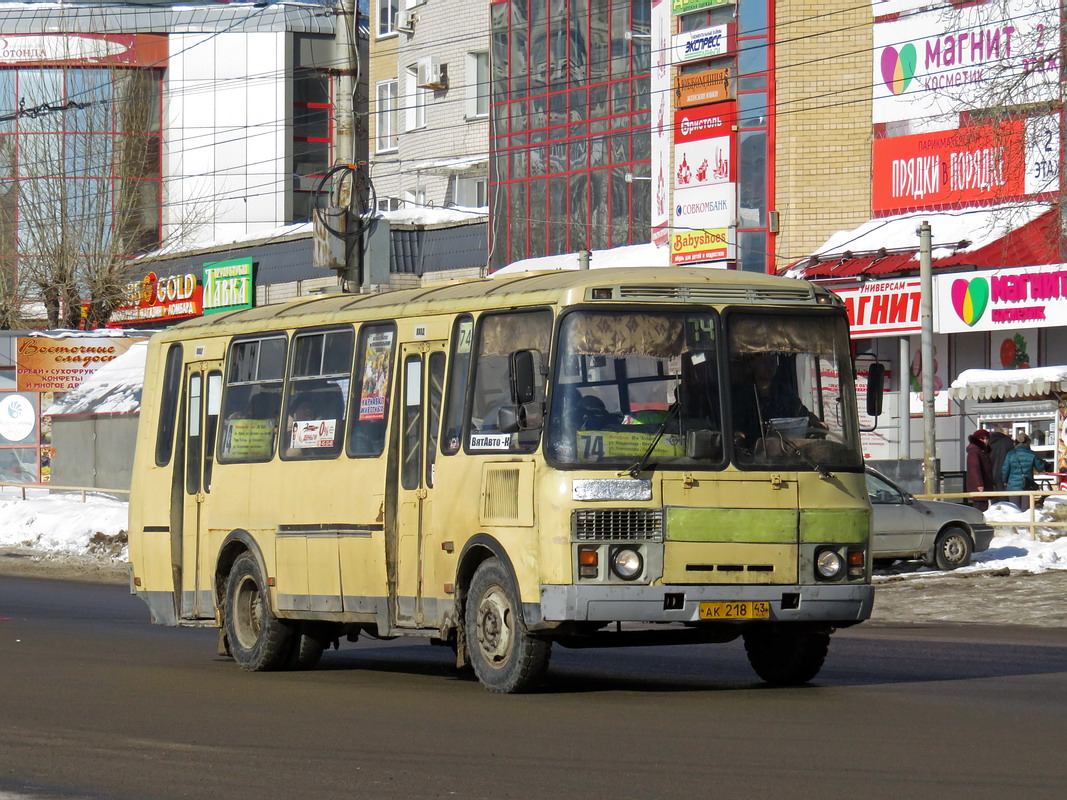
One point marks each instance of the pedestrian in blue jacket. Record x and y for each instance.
(1020, 464)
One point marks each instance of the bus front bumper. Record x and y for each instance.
(842, 604)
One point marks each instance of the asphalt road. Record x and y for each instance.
(98, 703)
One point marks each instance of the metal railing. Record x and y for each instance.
(51, 487)
(1055, 528)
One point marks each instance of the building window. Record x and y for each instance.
(477, 85)
(386, 116)
(387, 11)
(388, 204)
(415, 199)
(472, 192)
(415, 100)
(312, 138)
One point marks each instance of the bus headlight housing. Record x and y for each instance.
(627, 563)
(828, 564)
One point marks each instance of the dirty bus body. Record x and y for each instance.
(588, 458)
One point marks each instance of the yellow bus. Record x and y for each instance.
(587, 458)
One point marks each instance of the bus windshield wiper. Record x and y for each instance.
(791, 447)
(642, 463)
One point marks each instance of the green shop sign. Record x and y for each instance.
(228, 285)
(685, 6)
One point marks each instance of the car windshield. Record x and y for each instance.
(791, 398)
(625, 378)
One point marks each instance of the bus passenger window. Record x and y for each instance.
(252, 399)
(168, 406)
(498, 336)
(318, 394)
(459, 368)
(370, 394)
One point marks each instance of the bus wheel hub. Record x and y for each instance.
(494, 626)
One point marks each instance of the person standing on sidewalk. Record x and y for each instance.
(979, 467)
(1000, 444)
(1018, 471)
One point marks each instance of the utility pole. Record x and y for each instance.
(347, 63)
(926, 314)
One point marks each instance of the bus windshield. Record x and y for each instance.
(669, 388)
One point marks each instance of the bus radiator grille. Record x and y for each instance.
(618, 524)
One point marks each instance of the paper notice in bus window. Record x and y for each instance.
(248, 438)
(491, 441)
(464, 335)
(314, 433)
(620, 444)
(375, 386)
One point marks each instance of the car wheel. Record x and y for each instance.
(952, 549)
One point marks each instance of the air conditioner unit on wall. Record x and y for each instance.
(431, 73)
(404, 21)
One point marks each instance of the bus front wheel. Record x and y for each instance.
(502, 653)
(786, 655)
(259, 641)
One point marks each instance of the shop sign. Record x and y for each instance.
(702, 44)
(700, 88)
(705, 207)
(979, 164)
(685, 6)
(691, 247)
(18, 417)
(45, 364)
(147, 50)
(155, 299)
(703, 163)
(706, 122)
(883, 308)
(945, 60)
(1024, 297)
(661, 122)
(228, 285)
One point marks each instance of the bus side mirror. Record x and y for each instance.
(525, 417)
(522, 374)
(875, 389)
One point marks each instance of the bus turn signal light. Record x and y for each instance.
(588, 563)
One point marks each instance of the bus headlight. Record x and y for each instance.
(627, 563)
(828, 564)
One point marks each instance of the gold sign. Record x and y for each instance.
(700, 88)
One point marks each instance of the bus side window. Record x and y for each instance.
(168, 406)
(459, 370)
(370, 393)
(498, 336)
(252, 399)
(319, 379)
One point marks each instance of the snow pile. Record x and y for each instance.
(62, 525)
(115, 388)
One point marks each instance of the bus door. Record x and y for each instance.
(203, 400)
(422, 377)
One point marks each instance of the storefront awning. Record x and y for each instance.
(1003, 384)
(984, 238)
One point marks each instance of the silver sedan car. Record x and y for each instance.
(944, 535)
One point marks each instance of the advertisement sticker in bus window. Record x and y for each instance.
(314, 433)
(492, 441)
(375, 376)
(248, 438)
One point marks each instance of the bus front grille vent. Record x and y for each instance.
(501, 499)
(720, 294)
(618, 524)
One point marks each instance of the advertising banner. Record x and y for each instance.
(1001, 299)
(45, 364)
(995, 162)
(685, 6)
(141, 49)
(707, 122)
(661, 122)
(228, 285)
(947, 60)
(704, 146)
(700, 88)
(883, 308)
(691, 247)
(155, 299)
(705, 207)
(702, 44)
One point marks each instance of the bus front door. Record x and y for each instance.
(203, 400)
(422, 379)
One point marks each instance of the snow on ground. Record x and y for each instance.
(60, 525)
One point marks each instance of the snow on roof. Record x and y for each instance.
(435, 216)
(186, 246)
(989, 384)
(447, 165)
(115, 388)
(979, 226)
(634, 255)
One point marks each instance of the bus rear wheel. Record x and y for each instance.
(258, 640)
(786, 655)
(504, 656)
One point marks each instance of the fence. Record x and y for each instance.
(1032, 525)
(48, 488)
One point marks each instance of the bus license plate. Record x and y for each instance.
(754, 609)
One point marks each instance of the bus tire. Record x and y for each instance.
(952, 549)
(504, 656)
(309, 641)
(259, 641)
(786, 655)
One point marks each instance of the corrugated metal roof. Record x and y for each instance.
(186, 18)
(277, 262)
